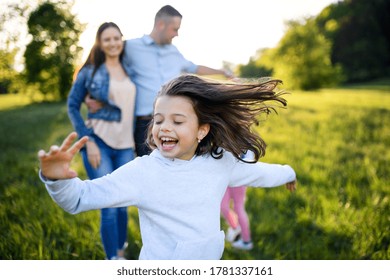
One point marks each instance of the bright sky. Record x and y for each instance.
(212, 31)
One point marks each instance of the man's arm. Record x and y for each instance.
(204, 70)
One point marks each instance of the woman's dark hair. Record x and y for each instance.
(96, 56)
(230, 108)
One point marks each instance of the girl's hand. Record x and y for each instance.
(56, 163)
(291, 186)
(93, 154)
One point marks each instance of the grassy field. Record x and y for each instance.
(337, 140)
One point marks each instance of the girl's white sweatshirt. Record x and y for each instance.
(178, 201)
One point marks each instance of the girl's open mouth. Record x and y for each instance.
(168, 143)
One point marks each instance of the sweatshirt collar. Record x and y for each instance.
(170, 161)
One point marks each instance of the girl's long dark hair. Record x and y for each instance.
(96, 56)
(230, 108)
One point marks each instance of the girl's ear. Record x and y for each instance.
(203, 131)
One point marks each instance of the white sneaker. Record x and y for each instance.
(232, 233)
(240, 244)
(125, 246)
(116, 258)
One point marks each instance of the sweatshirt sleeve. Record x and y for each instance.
(118, 189)
(265, 175)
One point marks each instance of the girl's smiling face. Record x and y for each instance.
(176, 129)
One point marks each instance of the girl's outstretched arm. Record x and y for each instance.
(56, 163)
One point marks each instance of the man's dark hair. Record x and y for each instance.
(167, 11)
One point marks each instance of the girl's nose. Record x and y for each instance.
(165, 126)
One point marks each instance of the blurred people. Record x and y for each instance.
(110, 144)
(154, 60)
(238, 232)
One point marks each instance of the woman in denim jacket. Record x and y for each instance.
(111, 142)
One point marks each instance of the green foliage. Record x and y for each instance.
(348, 41)
(302, 58)
(8, 74)
(254, 69)
(336, 139)
(360, 34)
(251, 70)
(50, 56)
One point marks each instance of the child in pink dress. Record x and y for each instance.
(238, 232)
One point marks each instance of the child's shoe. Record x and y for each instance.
(242, 245)
(232, 234)
(116, 258)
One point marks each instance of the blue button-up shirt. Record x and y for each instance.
(152, 66)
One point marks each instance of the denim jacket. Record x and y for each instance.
(98, 87)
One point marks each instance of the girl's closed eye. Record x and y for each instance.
(178, 119)
(157, 121)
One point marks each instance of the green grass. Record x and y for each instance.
(9, 101)
(337, 140)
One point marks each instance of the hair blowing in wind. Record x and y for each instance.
(231, 109)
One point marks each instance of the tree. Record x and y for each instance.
(302, 57)
(12, 15)
(254, 69)
(7, 72)
(360, 32)
(50, 56)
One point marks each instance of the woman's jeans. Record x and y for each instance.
(113, 227)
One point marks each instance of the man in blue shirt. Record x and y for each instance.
(154, 60)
